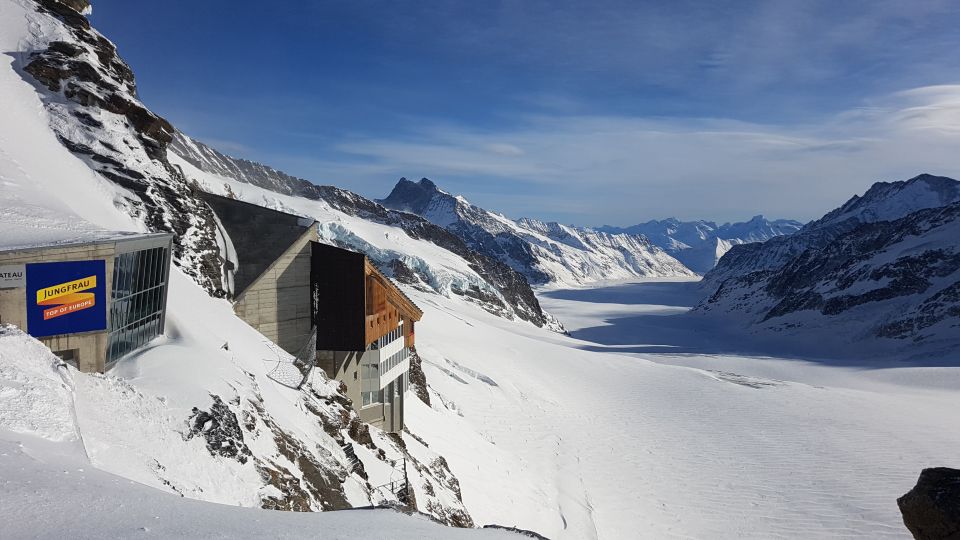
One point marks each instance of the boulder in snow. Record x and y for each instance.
(931, 510)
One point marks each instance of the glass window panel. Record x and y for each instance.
(138, 276)
(156, 271)
(161, 261)
(131, 285)
(165, 263)
(121, 271)
(147, 267)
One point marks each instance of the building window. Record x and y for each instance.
(370, 392)
(137, 300)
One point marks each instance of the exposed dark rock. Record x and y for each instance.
(521, 532)
(317, 479)
(402, 273)
(164, 199)
(418, 379)
(931, 510)
(906, 270)
(220, 428)
(512, 285)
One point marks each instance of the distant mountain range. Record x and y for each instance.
(543, 252)
(700, 244)
(883, 265)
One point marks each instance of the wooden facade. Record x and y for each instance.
(386, 306)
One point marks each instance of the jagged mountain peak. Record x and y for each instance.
(415, 197)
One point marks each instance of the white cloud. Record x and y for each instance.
(628, 169)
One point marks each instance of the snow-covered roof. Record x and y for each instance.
(46, 239)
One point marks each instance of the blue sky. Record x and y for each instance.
(585, 112)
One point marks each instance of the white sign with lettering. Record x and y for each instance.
(12, 276)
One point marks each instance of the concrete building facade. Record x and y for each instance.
(266, 268)
(91, 301)
(291, 287)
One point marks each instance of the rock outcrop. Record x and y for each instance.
(931, 510)
(91, 95)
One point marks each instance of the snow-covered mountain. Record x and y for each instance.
(700, 244)
(79, 153)
(512, 424)
(543, 252)
(98, 116)
(884, 201)
(473, 275)
(884, 266)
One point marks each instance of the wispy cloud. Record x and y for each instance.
(626, 169)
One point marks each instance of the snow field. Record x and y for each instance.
(609, 445)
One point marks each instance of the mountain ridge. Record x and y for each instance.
(883, 268)
(546, 253)
(700, 244)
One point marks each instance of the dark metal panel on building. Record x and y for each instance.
(338, 283)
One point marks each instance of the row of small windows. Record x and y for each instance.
(389, 337)
(394, 360)
(137, 301)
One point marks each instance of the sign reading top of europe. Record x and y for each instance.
(66, 297)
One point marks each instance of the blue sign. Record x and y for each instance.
(66, 297)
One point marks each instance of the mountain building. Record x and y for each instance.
(302, 294)
(365, 330)
(92, 299)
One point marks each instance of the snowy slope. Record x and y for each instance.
(700, 244)
(503, 290)
(409, 255)
(596, 441)
(543, 252)
(194, 413)
(90, 102)
(862, 276)
(55, 448)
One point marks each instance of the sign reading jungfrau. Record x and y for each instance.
(66, 297)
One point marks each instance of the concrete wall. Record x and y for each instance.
(278, 302)
(91, 347)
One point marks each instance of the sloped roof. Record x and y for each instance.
(259, 235)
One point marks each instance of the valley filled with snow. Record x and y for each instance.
(646, 425)
(619, 411)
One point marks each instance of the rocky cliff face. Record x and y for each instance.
(854, 272)
(91, 95)
(543, 252)
(700, 244)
